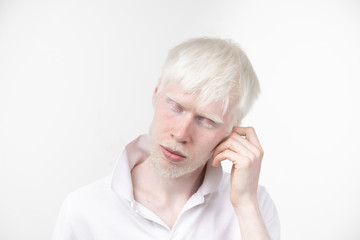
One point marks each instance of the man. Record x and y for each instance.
(170, 185)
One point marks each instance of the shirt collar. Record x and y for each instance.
(136, 152)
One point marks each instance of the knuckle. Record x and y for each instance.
(228, 152)
(250, 129)
(231, 143)
(232, 135)
(259, 153)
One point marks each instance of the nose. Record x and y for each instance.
(182, 130)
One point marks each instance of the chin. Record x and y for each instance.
(169, 170)
(166, 169)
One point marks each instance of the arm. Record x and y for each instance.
(62, 229)
(242, 147)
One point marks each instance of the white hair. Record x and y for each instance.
(215, 70)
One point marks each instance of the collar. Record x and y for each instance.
(136, 152)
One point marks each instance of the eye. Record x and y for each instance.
(208, 123)
(175, 107)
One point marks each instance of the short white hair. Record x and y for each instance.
(215, 70)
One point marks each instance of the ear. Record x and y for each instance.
(154, 95)
(155, 90)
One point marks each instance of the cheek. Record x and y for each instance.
(162, 119)
(219, 136)
(210, 141)
(161, 110)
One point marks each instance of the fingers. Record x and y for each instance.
(242, 143)
(232, 143)
(249, 133)
(238, 160)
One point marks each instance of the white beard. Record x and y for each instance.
(167, 168)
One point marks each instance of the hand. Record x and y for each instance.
(243, 149)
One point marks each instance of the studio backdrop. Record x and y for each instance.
(76, 82)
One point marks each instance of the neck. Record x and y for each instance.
(146, 178)
(166, 197)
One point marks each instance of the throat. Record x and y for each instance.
(165, 197)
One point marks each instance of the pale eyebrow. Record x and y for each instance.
(173, 100)
(213, 118)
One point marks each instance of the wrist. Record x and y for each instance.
(246, 208)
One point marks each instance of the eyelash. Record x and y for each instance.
(175, 107)
(207, 123)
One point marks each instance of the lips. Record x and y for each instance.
(171, 155)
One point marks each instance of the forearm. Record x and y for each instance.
(251, 223)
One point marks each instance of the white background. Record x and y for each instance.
(76, 80)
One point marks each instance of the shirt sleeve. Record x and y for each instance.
(63, 226)
(269, 213)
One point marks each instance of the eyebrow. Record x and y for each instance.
(214, 118)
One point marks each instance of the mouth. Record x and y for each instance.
(172, 155)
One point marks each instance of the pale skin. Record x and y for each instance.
(201, 133)
(242, 147)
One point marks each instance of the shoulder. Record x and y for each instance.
(88, 195)
(88, 202)
(83, 207)
(91, 188)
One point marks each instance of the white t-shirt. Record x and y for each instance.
(106, 209)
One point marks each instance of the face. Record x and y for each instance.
(183, 134)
